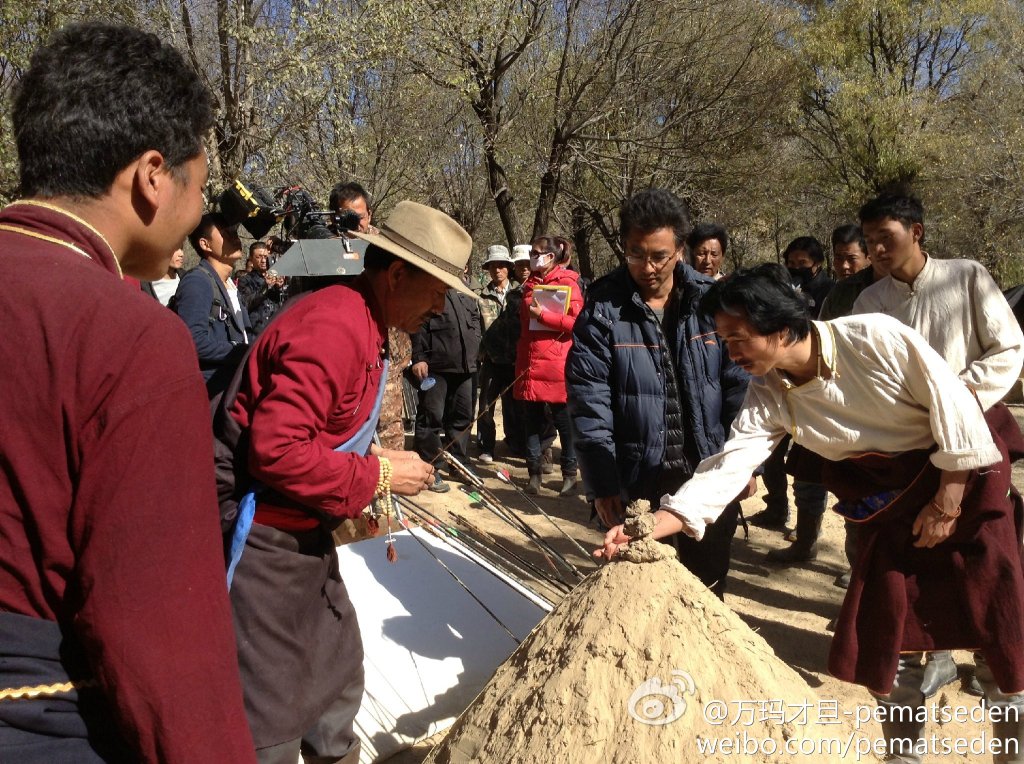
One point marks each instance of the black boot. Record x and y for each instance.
(770, 518)
(1010, 730)
(568, 485)
(939, 671)
(901, 737)
(805, 548)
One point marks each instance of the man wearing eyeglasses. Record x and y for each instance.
(651, 388)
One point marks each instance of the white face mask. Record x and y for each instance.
(540, 262)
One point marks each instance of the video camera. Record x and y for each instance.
(313, 241)
(260, 209)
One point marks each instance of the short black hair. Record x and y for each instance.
(207, 223)
(704, 231)
(849, 234)
(347, 192)
(893, 205)
(765, 296)
(258, 244)
(653, 209)
(96, 97)
(807, 244)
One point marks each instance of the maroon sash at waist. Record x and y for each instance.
(965, 593)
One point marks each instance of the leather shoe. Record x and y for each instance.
(939, 671)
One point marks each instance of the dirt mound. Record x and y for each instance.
(638, 664)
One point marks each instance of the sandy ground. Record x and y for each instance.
(789, 606)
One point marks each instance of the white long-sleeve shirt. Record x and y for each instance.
(888, 392)
(957, 307)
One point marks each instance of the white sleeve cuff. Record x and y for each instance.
(954, 461)
(693, 522)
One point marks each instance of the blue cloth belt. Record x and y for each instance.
(357, 444)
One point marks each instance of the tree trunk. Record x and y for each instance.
(582, 226)
(497, 180)
(549, 185)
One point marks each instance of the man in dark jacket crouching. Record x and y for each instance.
(651, 388)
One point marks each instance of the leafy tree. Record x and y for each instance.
(877, 75)
(470, 48)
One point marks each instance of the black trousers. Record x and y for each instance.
(708, 559)
(775, 482)
(535, 414)
(496, 382)
(810, 498)
(445, 410)
(299, 649)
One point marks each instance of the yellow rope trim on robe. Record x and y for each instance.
(44, 690)
(44, 237)
(73, 216)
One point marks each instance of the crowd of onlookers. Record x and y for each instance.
(448, 379)
(511, 349)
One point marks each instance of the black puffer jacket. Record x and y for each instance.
(617, 374)
(262, 301)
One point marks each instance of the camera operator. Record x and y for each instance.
(351, 198)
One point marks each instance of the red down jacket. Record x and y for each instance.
(541, 353)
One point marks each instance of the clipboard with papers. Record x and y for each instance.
(553, 298)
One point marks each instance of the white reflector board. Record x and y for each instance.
(429, 646)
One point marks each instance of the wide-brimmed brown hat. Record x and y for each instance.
(428, 239)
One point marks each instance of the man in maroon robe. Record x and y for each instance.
(115, 629)
(308, 401)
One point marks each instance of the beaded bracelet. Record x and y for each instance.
(383, 489)
(384, 494)
(935, 508)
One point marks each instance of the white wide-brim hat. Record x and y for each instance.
(521, 252)
(428, 239)
(497, 253)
